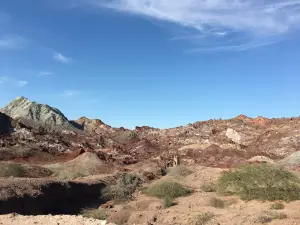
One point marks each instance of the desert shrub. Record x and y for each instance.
(124, 188)
(168, 202)
(23, 152)
(209, 187)
(217, 203)
(179, 171)
(277, 206)
(14, 170)
(278, 216)
(204, 218)
(262, 182)
(99, 214)
(269, 216)
(263, 219)
(167, 189)
(133, 135)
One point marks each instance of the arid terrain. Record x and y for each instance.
(57, 171)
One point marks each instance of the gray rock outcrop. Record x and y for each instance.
(36, 116)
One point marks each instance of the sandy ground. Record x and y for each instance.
(150, 211)
(147, 210)
(12, 219)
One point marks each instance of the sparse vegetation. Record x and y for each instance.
(269, 216)
(277, 206)
(217, 202)
(99, 214)
(209, 187)
(278, 216)
(12, 170)
(124, 188)
(167, 189)
(262, 182)
(263, 219)
(204, 218)
(179, 171)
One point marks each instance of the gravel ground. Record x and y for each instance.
(13, 219)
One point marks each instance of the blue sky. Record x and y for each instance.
(152, 62)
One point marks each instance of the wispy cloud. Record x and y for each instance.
(61, 58)
(3, 79)
(69, 93)
(44, 73)
(12, 81)
(12, 42)
(22, 83)
(219, 24)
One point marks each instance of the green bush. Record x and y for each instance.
(217, 203)
(209, 187)
(14, 170)
(167, 189)
(179, 171)
(277, 206)
(99, 214)
(124, 188)
(262, 182)
(204, 218)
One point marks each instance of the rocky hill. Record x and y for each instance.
(92, 126)
(68, 168)
(37, 116)
(220, 143)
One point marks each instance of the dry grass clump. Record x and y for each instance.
(217, 203)
(99, 214)
(209, 187)
(270, 216)
(204, 218)
(12, 170)
(179, 171)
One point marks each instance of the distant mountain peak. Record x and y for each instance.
(242, 117)
(36, 115)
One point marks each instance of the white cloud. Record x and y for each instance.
(219, 24)
(61, 58)
(69, 93)
(12, 42)
(3, 79)
(22, 83)
(44, 73)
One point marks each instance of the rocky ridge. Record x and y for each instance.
(37, 116)
(220, 143)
